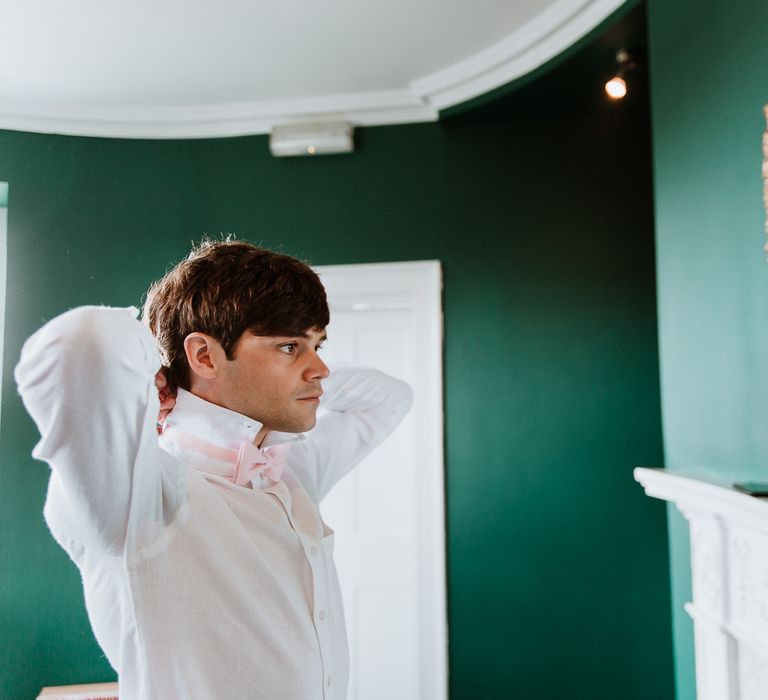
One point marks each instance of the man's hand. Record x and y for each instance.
(167, 398)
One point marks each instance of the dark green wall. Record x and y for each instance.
(709, 85)
(558, 575)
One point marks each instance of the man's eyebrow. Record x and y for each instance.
(306, 335)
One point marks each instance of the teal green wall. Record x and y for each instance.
(708, 85)
(557, 563)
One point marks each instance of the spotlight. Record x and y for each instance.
(616, 87)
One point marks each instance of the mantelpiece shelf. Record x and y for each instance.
(693, 488)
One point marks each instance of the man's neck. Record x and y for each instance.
(260, 436)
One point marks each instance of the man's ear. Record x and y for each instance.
(204, 355)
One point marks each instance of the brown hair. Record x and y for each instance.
(225, 288)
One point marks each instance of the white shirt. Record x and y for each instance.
(196, 588)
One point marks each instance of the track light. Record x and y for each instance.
(616, 87)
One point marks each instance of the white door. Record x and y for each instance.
(388, 513)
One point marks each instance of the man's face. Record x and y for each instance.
(276, 380)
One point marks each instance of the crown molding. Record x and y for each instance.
(526, 49)
(204, 121)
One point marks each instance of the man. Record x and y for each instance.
(207, 569)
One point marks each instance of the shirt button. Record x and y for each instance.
(328, 681)
(321, 614)
(313, 549)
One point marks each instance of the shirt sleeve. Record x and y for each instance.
(360, 408)
(87, 380)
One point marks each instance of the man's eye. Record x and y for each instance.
(288, 348)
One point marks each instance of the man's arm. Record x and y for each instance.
(361, 408)
(87, 380)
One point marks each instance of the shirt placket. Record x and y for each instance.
(308, 527)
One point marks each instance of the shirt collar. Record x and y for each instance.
(218, 425)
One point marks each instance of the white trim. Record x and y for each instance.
(524, 50)
(204, 121)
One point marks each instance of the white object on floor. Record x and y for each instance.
(92, 691)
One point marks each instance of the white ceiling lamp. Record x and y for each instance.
(311, 139)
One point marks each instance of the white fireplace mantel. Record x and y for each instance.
(729, 573)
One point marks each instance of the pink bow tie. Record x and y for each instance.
(248, 463)
(253, 462)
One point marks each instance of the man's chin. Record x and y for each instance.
(307, 427)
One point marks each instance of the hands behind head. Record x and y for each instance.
(167, 398)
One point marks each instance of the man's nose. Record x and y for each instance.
(317, 369)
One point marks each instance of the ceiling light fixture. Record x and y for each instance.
(311, 139)
(616, 87)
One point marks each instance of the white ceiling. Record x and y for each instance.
(169, 68)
